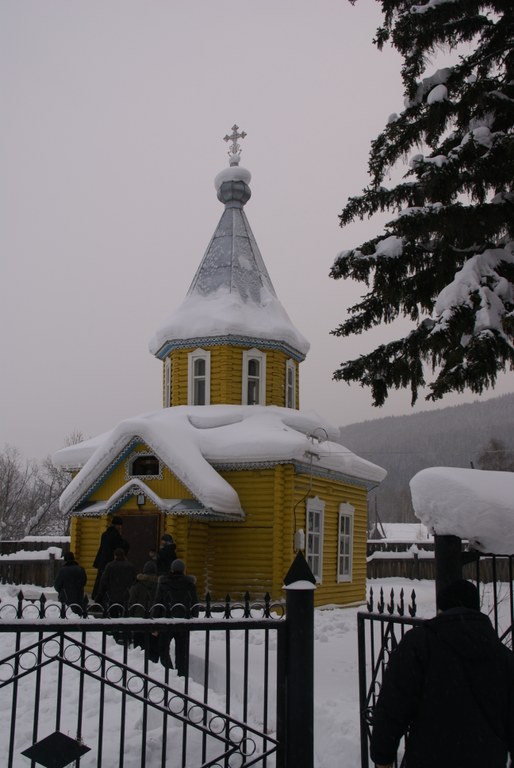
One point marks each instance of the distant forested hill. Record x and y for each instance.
(480, 433)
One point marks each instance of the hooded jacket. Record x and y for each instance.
(177, 593)
(117, 578)
(450, 684)
(142, 594)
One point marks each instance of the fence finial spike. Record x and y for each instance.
(412, 606)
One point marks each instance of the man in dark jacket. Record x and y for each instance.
(449, 686)
(166, 555)
(176, 592)
(70, 583)
(117, 578)
(141, 601)
(110, 540)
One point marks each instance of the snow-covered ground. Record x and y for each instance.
(336, 678)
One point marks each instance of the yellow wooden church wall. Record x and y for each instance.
(334, 493)
(85, 536)
(239, 554)
(227, 376)
(254, 554)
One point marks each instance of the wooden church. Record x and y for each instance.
(229, 466)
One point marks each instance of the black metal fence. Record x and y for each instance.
(77, 683)
(379, 630)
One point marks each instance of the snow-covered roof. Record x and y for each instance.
(231, 297)
(473, 504)
(402, 532)
(191, 439)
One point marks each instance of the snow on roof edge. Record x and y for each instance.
(473, 504)
(188, 439)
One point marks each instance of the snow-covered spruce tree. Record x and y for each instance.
(446, 259)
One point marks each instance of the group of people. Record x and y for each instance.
(448, 686)
(162, 586)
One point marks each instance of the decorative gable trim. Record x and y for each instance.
(174, 507)
(124, 454)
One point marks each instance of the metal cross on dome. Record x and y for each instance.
(235, 150)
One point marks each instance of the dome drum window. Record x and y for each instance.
(167, 383)
(254, 377)
(290, 398)
(199, 377)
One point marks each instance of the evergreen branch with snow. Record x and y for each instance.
(446, 259)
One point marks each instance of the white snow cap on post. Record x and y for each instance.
(473, 504)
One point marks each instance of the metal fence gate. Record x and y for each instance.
(381, 628)
(77, 688)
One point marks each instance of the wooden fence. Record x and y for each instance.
(413, 567)
(38, 570)
(41, 573)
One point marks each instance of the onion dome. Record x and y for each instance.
(231, 299)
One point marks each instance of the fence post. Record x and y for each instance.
(448, 560)
(299, 660)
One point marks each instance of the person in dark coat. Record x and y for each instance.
(142, 592)
(176, 598)
(117, 578)
(449, 686)
(141, 599)
(166, 555)
(70, 583)
(110, 540)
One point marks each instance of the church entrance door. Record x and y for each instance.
(142, 533)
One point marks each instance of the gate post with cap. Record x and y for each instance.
(299, 584)
(448, 560)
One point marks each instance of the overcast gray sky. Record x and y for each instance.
(113, 113)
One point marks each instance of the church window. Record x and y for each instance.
(345, 542)
(314, 550)
(290, 384)
(144, 464)
(199, 390)
(167, 383)
(254, 377)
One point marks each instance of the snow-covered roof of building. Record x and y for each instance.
(401, 532)
(474, 504)
(231, 296)
(195, 441)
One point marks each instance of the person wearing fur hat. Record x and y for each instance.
(141, 600)
(142, 591)
(176, 597)
(449, 687)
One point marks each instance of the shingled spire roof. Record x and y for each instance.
(231, 298)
